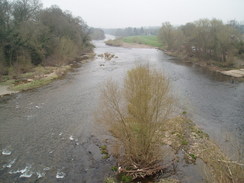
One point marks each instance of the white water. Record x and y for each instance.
(10, 164)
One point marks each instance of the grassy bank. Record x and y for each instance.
(36, 77)
(136, 41)
(39, 76)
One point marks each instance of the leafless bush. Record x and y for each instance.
(135, 114)
(221, 169)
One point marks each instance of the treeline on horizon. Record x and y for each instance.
(132, 31)
(31, 35)
(205, 39)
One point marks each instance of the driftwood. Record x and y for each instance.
(142, 172)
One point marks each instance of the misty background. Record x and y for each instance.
(137, 13)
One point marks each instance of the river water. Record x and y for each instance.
(50, 135)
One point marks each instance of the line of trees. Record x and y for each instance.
(30, 35)
(205, 39)
(133, 31)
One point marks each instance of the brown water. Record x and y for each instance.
(50, 132)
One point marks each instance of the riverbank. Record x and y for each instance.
(135, 42)
(185, 137)
(37, 77)
(226, 68)
(186, 145)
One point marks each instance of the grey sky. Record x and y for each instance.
(136, 13)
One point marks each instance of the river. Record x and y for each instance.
(50, 135)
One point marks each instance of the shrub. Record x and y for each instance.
(135, 114)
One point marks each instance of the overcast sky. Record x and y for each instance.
(136, 13)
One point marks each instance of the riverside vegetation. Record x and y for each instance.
(139, 114)
(31, 36)
(208, 43)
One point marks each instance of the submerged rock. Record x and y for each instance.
(60, 175)
(6, 152)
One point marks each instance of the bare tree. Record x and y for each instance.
(135, 114)
(24, 10)
(206, 39)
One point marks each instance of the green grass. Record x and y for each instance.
(184, 112)
(147, 40)
(34, 84)
(126, 178)
(114, 168)
(103, 147)
(104, 151)
(39, 76)
(184, 142)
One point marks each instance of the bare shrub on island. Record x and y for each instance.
(135, 113)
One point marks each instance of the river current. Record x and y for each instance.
(50, 135)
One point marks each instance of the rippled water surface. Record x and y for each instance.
(50, 135)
